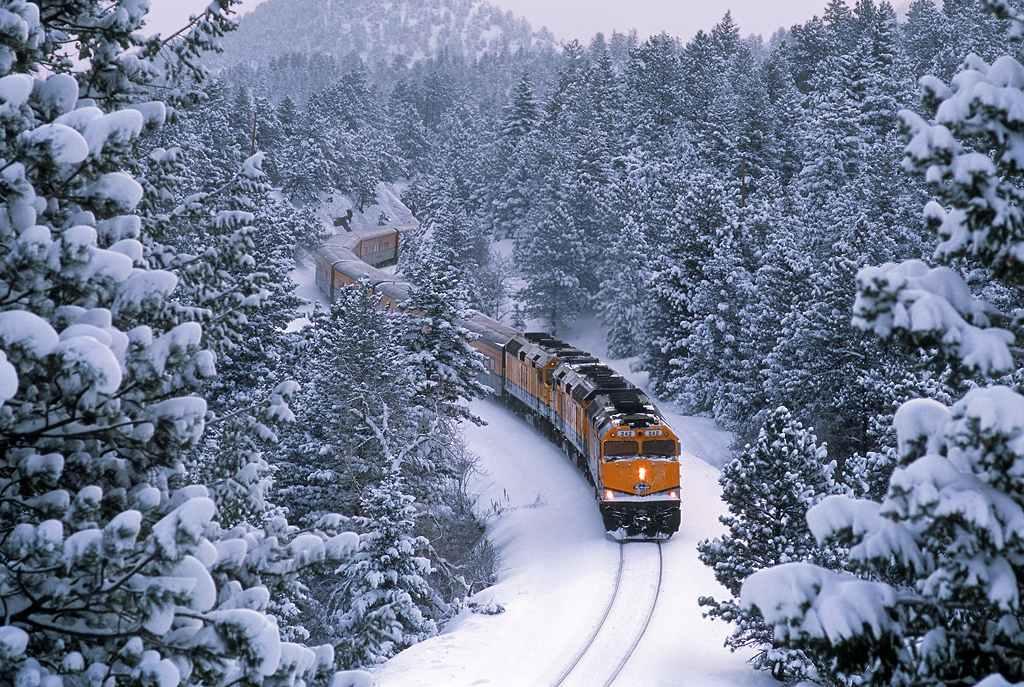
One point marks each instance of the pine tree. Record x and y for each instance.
(768, 490)
(114, 565)
(356, 381)
(938, 594)
(384, 602)
(522, 113)
(700, 216)
(446, 367)
(623, 299)
(552, 258)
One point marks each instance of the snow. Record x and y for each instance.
(79, 119)
(64, 145)
(556, 570)
(996, 409)
(124, 527)
(82, 544)
(120, 127)
(388, 201)
(143, 285)
(352, 678)
(154, 113)
(260, 633)
(15, 90)
(936, 303)
(50, 465)
(29, 331)
(58, 94)
(998, 681)
(119, 189)
(120, 228)
(252, 168)
(8, 379)
(204, 591)
(13, 641)
(918, 419)
(85, 354)
(185, 524)
(880, 538)
(804, 599)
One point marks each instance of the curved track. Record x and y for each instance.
(623, 623)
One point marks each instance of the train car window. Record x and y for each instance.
(663, 447)
(621, 448)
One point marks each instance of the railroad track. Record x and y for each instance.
(624, 621)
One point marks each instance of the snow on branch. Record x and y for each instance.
(932, 307)
(806, 601)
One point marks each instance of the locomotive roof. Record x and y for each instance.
(543, 349)
(614, 399)
(628, 407)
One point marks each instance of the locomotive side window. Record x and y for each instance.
(613, 449)
(663, 447)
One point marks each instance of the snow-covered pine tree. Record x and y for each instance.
(623, 299)
(768, 489)
(522, 113)
(355, 378)
(702, 213)
(938, 592)
(551, 256)
(446, 366)
(383, 603)
(114, 567)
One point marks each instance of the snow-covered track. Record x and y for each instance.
(624, 622)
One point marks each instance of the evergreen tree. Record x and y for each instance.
(446, 366)
(700, 217)
(114, 565)
(522, 113)
(938, 599)
(552, 257)
(768, 490)
(384, 602)
(623, 299)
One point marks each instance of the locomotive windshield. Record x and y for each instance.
(617, 450)
(662, 447)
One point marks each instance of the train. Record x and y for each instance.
(606, 425)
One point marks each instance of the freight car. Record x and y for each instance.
(605, 424)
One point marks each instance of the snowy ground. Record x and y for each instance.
(557, 569)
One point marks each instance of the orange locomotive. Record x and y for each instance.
(610, 428)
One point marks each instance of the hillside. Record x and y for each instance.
(378, 30)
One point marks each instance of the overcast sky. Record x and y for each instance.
(583, 18)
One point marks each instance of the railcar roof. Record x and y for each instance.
(346, 241)
(489, 329)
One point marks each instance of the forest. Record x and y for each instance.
(814, 238)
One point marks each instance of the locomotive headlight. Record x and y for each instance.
(642, 472)
(609, 495)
